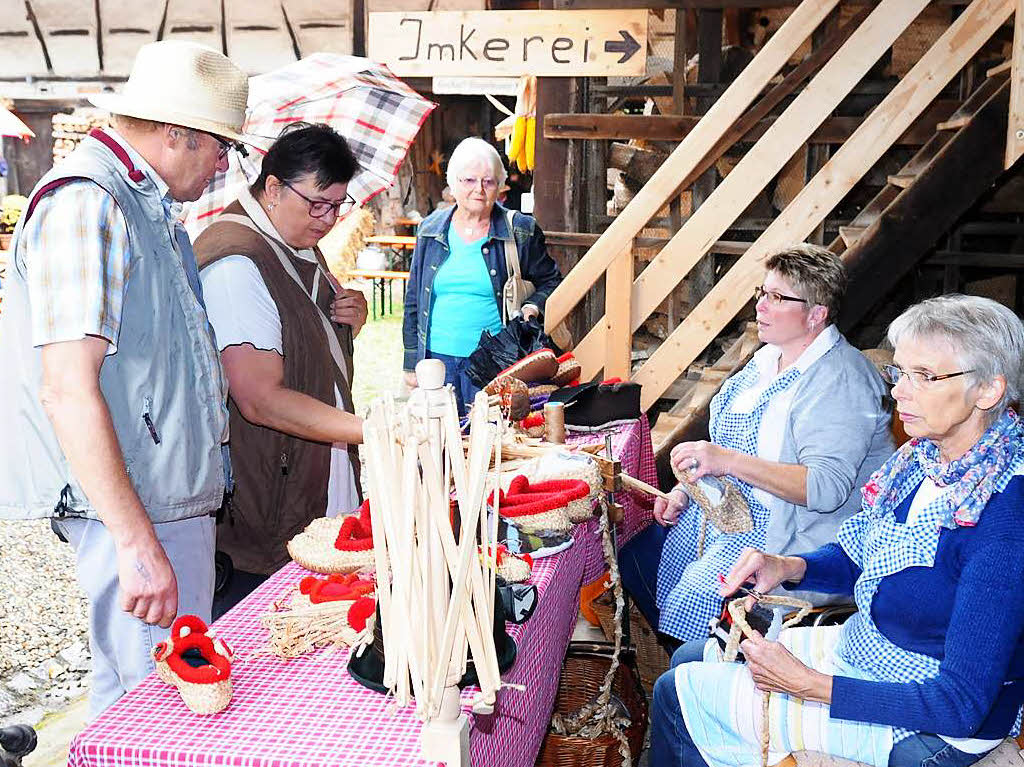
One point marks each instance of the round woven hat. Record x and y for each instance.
(183, 83)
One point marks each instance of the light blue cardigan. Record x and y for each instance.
(838, 427)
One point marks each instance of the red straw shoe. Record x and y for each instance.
(335, 544)
(568, 372)
(533, 511)
(206, 688)
(533, 368)
(578, 505)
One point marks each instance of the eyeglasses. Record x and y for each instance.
(323, 208)
(774, 297)
(226, 146)
(471, 182)
(918, 378)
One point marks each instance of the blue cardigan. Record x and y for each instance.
(967, 611)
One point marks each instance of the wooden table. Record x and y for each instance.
(400, 245)
(378, 278)
(308, 712)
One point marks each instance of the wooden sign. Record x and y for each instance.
(510, 43)
(476, 86)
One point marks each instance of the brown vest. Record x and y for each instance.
(280, 480)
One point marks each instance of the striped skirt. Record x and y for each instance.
(723, 710)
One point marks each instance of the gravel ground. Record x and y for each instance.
(43, 622)
(43, 610)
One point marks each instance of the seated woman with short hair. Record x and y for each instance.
(797, 431)
(930, 671)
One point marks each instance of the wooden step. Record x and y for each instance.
(902, 180)
(850, 234)
(954, 123)
(691, 410)
(999, 69)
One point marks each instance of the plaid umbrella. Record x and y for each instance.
(376, 112)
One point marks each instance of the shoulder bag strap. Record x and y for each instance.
(512, 300)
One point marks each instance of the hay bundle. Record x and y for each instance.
(342, 244)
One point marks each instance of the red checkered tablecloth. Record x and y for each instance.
(309, 711)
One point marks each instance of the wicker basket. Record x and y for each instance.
(651, 658)
(582, 674)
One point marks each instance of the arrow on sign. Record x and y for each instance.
(627, 46)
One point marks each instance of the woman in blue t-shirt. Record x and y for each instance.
(459, 270)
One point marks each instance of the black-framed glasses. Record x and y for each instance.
(918, 378)
(775, 297)
(226, 146)
(322, 208)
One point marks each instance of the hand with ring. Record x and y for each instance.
(692, 460)
(666, 513)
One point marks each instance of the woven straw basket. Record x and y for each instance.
(582, 675)
(556, 519)
(314, 550)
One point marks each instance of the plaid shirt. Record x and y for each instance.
(77, 273)
(76, 260)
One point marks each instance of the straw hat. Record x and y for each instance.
(183, 83)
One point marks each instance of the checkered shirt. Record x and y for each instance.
(74, 253)
(687, 588)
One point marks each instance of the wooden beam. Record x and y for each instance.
(71, 36)
(551, 160)
(689, 414)
(618, 294)
(761, 164)
(969, 258)
(749, 126)
(23, 51)
(1015, 124)
(586, 240)
(950, 53)
(619, 127)
(925, 210)
(901, 180)
(744, 89)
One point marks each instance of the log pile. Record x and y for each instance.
(70, 129)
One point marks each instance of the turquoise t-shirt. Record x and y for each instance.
(464, 304)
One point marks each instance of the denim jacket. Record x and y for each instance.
(432, 250)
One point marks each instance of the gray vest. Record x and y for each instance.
(165, 372)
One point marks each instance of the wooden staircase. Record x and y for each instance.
(940, 182)
(890, 234)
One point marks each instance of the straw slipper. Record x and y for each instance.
(335, 544)
(196, 663)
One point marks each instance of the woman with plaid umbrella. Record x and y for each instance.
(930, 670)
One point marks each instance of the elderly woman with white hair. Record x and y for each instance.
(459, 268)
(930, 670)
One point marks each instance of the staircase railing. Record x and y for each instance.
(602, 347)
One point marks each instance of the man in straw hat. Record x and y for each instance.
(111, 392)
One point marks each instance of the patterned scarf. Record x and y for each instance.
(972, 478)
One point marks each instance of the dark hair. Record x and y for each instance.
(308, 149)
